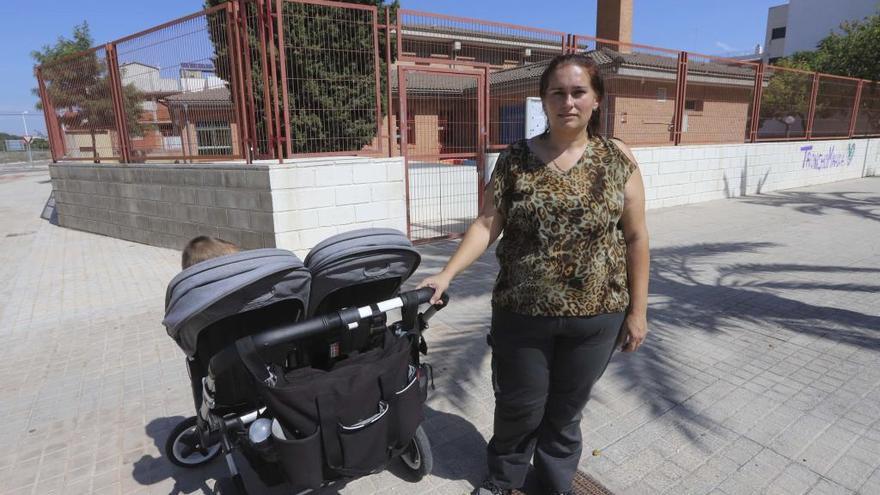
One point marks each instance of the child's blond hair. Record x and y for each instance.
(205, 247)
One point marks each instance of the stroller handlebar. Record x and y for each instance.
(349, 317)
(344, 317)
(444, 299)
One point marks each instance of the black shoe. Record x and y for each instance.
(489, 488)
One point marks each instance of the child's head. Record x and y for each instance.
(205, 247)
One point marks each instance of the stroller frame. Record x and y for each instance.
(242, 317)
(228, 430)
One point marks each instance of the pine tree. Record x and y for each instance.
(79, 86)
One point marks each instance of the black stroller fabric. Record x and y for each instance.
(349, 420)
(228, 285)
(358, 267)
(348, 402)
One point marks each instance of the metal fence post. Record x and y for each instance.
(282, 60)
(247, 71)
(855, 110)
(50, 117)
(389, 105)
(812, 112)
(118, 102)
(273, 67)
(399, 30)
(268, 120)
(401, 126)
(758, 92)
(377, 68)
(680, 94)
(238, 99)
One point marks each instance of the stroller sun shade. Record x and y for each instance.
(358, 257)
(221, 287)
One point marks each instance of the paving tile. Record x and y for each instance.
(761, 373)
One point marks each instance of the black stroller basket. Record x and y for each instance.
(352, 419)
(349, 420)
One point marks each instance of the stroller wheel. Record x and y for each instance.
(418, 457)
(183, 447)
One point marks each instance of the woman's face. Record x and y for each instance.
(570, 100)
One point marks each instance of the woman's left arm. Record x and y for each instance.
(638, 258)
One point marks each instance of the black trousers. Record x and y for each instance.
(543, 369)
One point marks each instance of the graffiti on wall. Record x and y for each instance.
(831, 158)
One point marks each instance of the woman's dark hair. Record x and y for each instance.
(596, 83)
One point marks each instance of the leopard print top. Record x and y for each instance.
(562, 252)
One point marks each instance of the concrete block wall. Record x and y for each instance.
(166, 205)
(315, 198)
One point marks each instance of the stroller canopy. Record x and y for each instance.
(221, 287)
(357, 257)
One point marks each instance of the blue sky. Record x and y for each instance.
(704, 26)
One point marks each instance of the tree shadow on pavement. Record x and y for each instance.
(694, 294)
(700, 291)
(858, 203)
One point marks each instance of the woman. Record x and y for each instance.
(573, 278)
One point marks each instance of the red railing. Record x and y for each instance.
(274, 79)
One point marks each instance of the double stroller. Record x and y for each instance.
(295, 365)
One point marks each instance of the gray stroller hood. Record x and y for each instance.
(221, 287)
(357, 257)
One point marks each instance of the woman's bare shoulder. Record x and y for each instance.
(624, 148)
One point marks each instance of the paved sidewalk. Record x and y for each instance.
(761, 374)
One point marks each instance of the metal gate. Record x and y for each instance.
(442, 135)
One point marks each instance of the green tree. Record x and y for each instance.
(78, 84)
(786, 96)
(331, 82)
(851, 52)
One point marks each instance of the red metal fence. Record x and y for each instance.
(167, 93)
(274, 79)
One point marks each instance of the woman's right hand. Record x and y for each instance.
(439, 282)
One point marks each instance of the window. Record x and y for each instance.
(167, 130)
(693, 105)
(214, 137)
(661, 94)
(777, 33)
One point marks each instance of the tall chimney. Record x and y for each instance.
(614, 22)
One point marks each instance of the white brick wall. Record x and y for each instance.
(678, 175)
(872, 159)
(689, 174)
(318, 197)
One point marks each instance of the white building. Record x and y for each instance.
(799, 25)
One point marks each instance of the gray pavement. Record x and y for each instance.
(760, 375)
